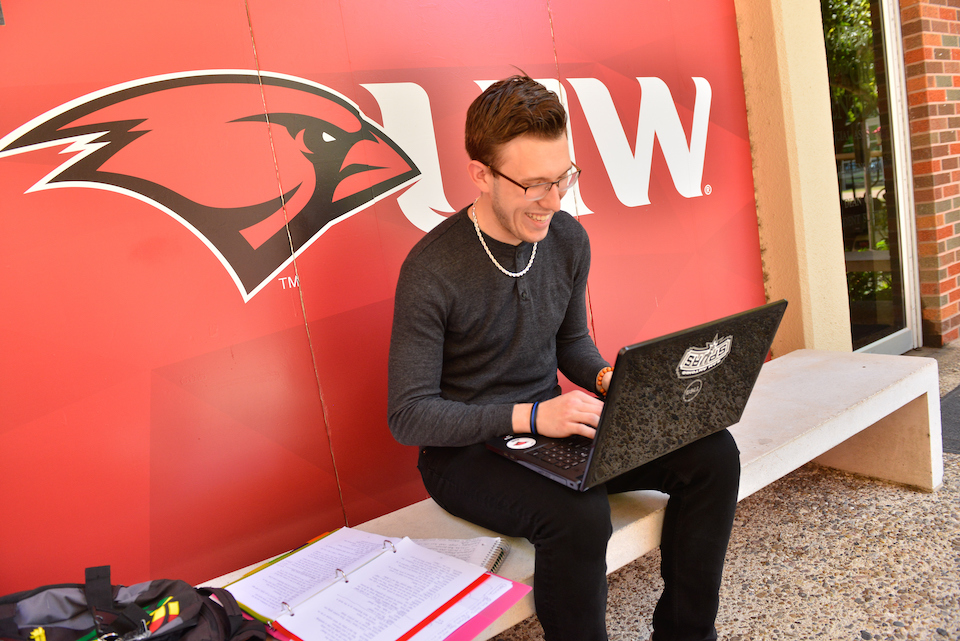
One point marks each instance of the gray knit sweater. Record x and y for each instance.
(469, 342)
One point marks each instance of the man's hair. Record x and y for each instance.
(509, 108)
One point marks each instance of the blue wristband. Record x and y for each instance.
(533, 419)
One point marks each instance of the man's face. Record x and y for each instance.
(527, 160)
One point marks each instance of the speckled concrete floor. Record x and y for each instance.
(821, 554)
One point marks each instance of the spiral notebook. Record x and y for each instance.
(485, 551)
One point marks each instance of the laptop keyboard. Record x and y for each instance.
(564, 454)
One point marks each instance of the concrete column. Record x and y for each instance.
(791, 134)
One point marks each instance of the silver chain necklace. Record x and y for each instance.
(476, 225)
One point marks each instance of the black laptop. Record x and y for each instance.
(665, 393)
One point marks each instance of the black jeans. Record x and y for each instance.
(569, 531)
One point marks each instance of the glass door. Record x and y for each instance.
(871, 142)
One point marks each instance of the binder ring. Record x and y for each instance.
(286, 606)
(387, 542)
(343, 574)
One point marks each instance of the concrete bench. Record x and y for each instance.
(874, 415)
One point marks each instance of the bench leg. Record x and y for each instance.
(905, 447)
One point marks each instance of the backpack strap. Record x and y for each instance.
(240, 628)
(97, 588)
(229, 606)
(99, 593)
(131, 618)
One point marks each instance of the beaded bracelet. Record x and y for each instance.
(600, 380)
(533, 419)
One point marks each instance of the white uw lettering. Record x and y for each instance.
(630, 173)
(408, 120)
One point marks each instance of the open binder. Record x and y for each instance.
(355, 585)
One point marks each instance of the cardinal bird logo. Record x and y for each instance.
(257, 165)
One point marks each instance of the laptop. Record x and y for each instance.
(665, 393)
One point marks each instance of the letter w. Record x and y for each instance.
(630, 173)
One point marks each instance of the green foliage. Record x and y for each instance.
(848, 34)
(869, 286)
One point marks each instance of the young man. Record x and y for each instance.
(489, 305)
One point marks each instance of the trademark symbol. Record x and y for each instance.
(289, 283)
(708, 190)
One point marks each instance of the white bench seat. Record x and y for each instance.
(870, 414)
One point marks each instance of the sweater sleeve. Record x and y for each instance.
(577, 354)
(417, 412)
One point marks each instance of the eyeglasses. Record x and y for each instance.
(540, 190)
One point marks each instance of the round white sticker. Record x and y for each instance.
(521, 443)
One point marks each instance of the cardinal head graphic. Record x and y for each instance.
(257, 165)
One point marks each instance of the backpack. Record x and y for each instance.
(160, 610)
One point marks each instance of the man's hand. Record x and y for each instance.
(575, 412)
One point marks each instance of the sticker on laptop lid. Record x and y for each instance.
(697, 361)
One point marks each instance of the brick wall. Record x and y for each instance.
(931, 39)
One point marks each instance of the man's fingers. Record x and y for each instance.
(587, 410)
(584, 430)
(588, 418)
(571, 413)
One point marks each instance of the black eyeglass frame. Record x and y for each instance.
(572, 177)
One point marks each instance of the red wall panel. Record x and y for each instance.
(159, 414)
